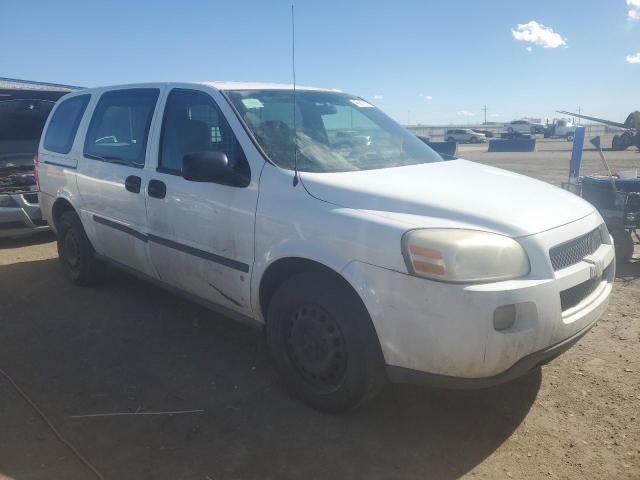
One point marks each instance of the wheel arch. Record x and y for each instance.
(60, 206)
(283, 268)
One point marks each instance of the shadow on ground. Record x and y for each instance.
(126, 346)
(37, 239)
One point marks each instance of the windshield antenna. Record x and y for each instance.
(293, 68)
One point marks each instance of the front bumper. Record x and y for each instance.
(447, 330)
(22, 219)
(520, 368)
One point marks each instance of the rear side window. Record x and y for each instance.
(120, 125)
(63, 125)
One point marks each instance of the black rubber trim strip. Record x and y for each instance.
(212, 257)
(48, 162)
(122, 228)
(227, 262)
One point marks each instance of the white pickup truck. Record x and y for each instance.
(363, 254)
(560, 128)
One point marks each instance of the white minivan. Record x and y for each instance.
(310, 212)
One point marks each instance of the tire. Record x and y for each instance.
(615, 143)
(569, 137)
(510, 130)
(451, 139)
(623, 243)
(323, 343)
(474, 140)
(533, 130)
(76, 252)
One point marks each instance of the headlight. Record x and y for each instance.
(453, 255)
(7, 201)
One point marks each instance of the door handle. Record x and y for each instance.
(133, 183)
(157, 189)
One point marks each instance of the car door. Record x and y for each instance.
(112, 175)
(201, 234)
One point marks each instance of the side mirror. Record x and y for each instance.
(206, 167)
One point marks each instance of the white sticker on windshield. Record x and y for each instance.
(252, 103)
(360, 103)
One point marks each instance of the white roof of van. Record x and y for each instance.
(218, 86)
(222, 85)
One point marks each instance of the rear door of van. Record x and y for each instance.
(113, 172)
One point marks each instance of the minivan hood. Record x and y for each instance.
(453, 194)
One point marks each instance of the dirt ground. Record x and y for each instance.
(127, 346)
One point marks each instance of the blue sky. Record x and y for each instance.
(432, 62)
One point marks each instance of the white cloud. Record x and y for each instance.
(633, 58)
(464, 113)
(426, 97)
(634, 9)
(534, 32)
(378, 97)
(494, 115)
(529, 49)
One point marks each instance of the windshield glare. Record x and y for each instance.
(333, 132)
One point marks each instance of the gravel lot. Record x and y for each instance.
(126, 346)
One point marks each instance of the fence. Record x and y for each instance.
(436, 132)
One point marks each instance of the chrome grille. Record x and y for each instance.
(571, 252)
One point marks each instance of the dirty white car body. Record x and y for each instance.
(217, 243)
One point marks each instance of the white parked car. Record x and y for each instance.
(524, 126)
(364, 260)
(464, 135)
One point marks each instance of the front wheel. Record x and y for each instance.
(323, 343)
(474, 140)
(570, 137)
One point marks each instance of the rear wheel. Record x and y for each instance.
(323, 343)
(76, 252)
(569, 137)
(474, 140)
(451, 139)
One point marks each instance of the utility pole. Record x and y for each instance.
(484, 109)
(579, 113)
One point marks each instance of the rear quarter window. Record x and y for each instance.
(62, 128)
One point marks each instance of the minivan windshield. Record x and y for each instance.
(330, 131)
